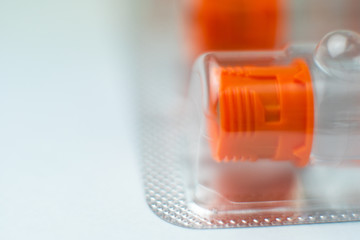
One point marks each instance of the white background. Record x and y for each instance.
(68, 160)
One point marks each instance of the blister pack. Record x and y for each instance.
(262, 138)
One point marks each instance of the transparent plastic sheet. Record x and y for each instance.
(169, 150)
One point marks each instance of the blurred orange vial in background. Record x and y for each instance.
(234, 25)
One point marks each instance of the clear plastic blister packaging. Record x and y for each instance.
(263, 138)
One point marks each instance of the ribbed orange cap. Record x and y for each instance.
(263, 113)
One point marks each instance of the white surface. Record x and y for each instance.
(68, 163)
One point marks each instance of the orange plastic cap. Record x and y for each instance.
(236, 25)
(263, 113)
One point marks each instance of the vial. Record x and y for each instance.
(300, 104)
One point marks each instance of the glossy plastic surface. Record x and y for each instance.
(277, 131)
